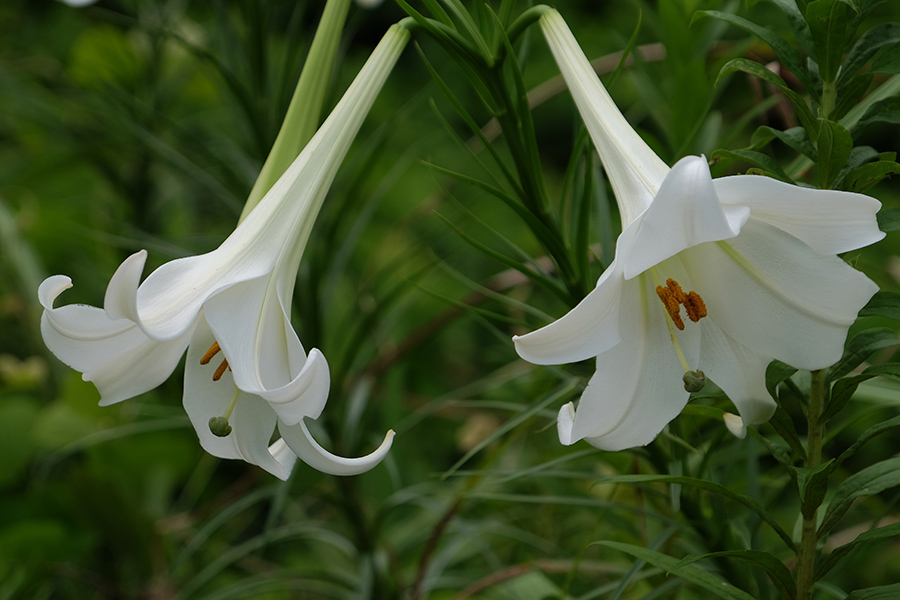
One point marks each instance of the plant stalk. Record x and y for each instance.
(809, 539)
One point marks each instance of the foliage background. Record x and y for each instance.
(131, 125)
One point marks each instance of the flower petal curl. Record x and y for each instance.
(828, 221)
(300, 440)
(113, 354)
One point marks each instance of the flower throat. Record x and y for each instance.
(219, 426)
(673, 298)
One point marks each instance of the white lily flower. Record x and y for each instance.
(751, 260)
(231, 305)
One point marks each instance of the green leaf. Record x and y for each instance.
(532, 585)
(874, 431)
(868, 536)
(537, 407)
(779, 574)
(782, 47)
(719, 587)
(883, 111)
(889, 219)
(439, 13)
(757, 70)
(862, 178)
(882, 592)
(776, 373)
(784, 426)
(860, 347)
(629, 48)
(812, 485)
(871, 480)
(834, 145)
(765, 162)
(850, 94)
(888, 60)
(828, 23)
(303, 114)
(457, 9)
(884, 303)
(798, 24)
(867, 45)
(844, 389)
(711, 487)
(522, 268)
(795, 138)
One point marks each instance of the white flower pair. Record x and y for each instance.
(750, 260)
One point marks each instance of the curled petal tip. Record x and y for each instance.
(564, 422)
(307, 449)
(52, 287)
(735, 425)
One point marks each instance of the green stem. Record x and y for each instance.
(302, 118)
(829, 96)
(809, 539)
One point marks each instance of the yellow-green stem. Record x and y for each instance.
(806, 562)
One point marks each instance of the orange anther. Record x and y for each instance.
(673, 297)
(213, 350)
(220, 370)
(694, 306)
(672, 304)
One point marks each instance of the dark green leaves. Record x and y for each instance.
(829, 24)
(884, 303)
(867, 536)
(835, 144)
(883, 592)
(687, 571)
(888, 61)
(861, 347)
(757, 70)
(869, 481)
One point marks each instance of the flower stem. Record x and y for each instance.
(809, 538)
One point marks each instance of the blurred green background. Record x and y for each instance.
(142, 124)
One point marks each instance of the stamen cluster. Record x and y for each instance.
(673, 297)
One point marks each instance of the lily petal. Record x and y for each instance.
(252, 420)
(637, 388)
(634, 170)
(587, 330)
(739, 371)
(769, 290)
(255, 334)
(685, 212)
(114, 355)
(301, 441)
(828, 221)
(735, 425)
(120, 301)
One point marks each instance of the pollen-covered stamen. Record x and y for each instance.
(213, 350)
(672, 297)
(694, 306)
(220, 370)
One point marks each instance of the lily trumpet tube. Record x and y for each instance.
(246, 370)
(718, 276)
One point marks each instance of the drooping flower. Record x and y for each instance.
(246, 369)
(750, 261)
